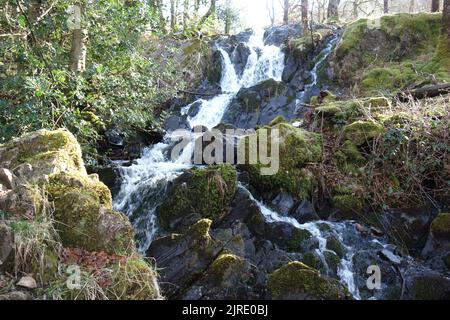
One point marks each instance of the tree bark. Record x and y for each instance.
(211, 11)
(446, 21)
(333, 9)
(305, 8)
(286, 12)
(34, 10)
(434, 5)
(185, 12)
(386, 6)
(78, 52)
(173, 16)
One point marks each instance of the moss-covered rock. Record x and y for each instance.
(333, 261)
(297, 148)
(348, 205)
(440, 229)
(389, 54)
(226, 268)
(207, 192)
(349, 159)
(360, 132)
(300, 282)
(48, 152)
(335, 245)
(311, 260)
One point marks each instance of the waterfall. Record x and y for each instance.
(144, 182)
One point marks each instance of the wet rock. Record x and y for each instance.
(335, 245)
(259, 105)
(175, 122)
(296, 281)
(283, 203)
(390, 256)
(239, 58)
(115, 137)
(278, 35)
(304, 212)
(182, 259)
(426, 285)
(288, 237)
(410, 225)
(227, 278)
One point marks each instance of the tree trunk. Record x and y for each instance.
(34, 10)
(173, 16)
(434, 5)
(286, 12)
(305, 8)
(386, 7)
(333, 9)
(185, 12)
(446, 21)
(425, 92)
(412, 6)
(211, 11)
(442, 52)
(227, 17)
(78, 52)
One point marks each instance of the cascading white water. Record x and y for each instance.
(345, 270)
(144, 182)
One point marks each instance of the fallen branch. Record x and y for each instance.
(424, 92)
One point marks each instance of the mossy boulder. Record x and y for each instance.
(296, 281)
(390, 53)
(48, 152)
(335, 245)
(360, 132)
(440, 230)
(297, 148)
(207, 192)
(227, 270)
(348, 205)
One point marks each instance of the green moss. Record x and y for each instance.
(300, 281)
(335, 245)
(429, 288)
(225, 265)
(333, 261)
(47, 151)
(302, 47)
(349, 159)
(348, 204)
(65, 182)
(440, 228)
(388, 79)
(360, 132)
(299, 235)
(200, 230)
(277, 120)
(297, 147)
(207, 192)
(311, 260)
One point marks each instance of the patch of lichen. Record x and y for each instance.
(440, 228)
(297, 148)
(298, 280)
(207, 192)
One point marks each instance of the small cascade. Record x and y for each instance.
(345, 270)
